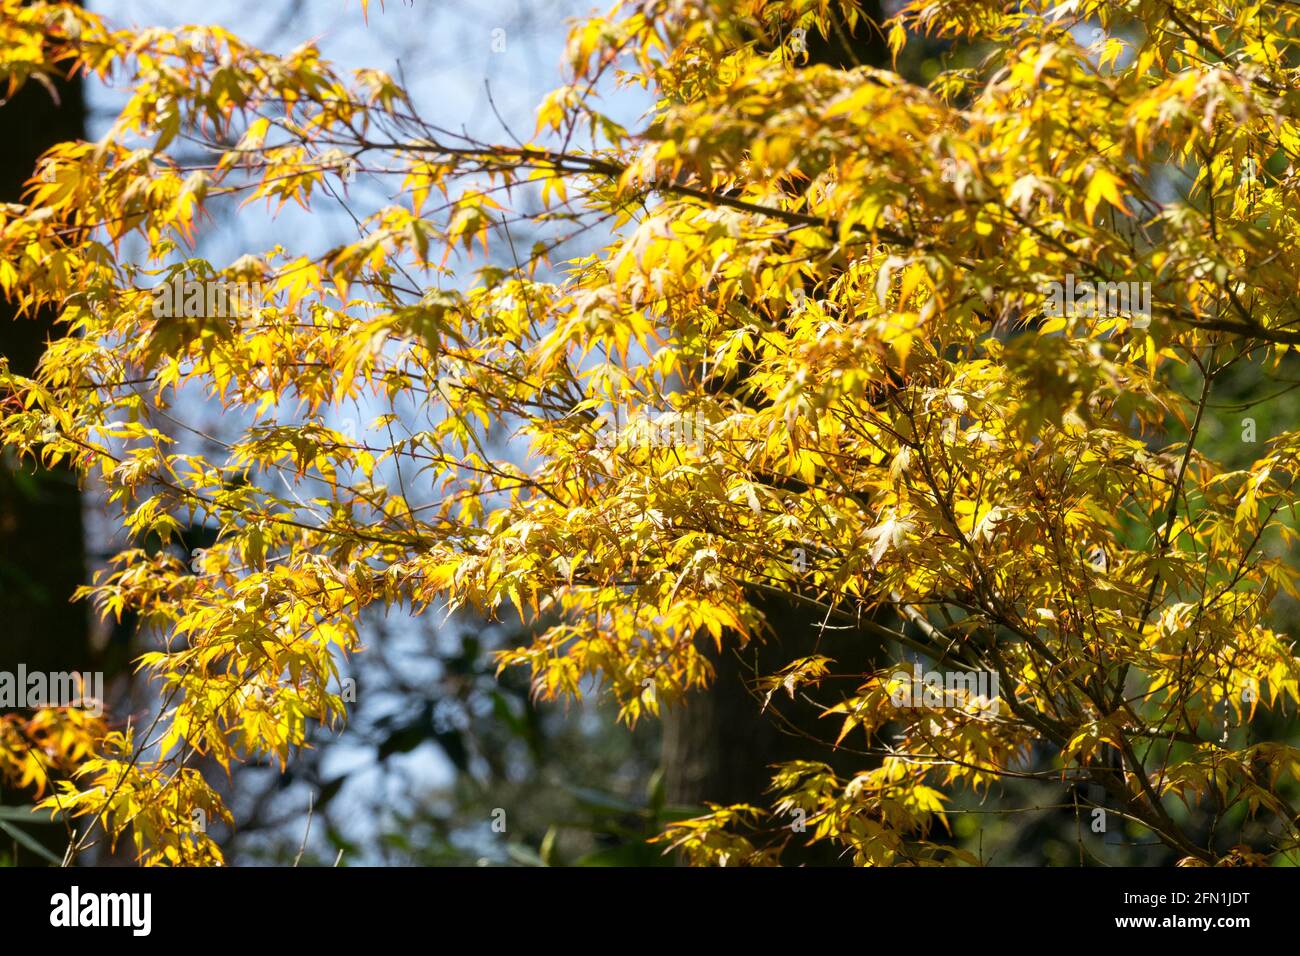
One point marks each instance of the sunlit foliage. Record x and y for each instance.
(835, 279)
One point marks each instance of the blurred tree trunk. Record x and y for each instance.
(718, 745)
(42, 548)
(42, 551)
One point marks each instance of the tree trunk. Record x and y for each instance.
(42, 548)
(718, 745)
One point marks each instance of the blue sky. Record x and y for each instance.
(449, 54)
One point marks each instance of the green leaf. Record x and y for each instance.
(22, 839)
